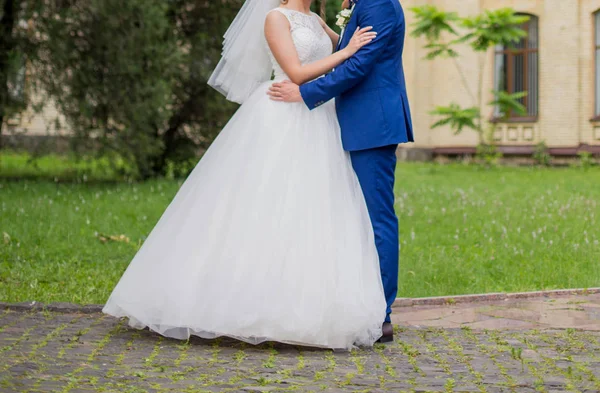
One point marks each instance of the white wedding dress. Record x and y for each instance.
(269, 238)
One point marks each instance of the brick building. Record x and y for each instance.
(558, 64)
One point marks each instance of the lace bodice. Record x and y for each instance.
(311, 41)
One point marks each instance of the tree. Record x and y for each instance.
(199, 112)
(109, 73)
(443, 32)
(328, 9)
(197, 107)
(15, 50)
(130, 77)
(7, 47)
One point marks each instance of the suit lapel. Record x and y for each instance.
(345, 29)
(339, 43)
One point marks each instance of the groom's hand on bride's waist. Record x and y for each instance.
(285, 91)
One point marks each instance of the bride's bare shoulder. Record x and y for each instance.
(277, 16)
(276, 21)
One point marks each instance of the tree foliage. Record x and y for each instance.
(15, 50)
(456, 117)
(331, 8)
(495, 27)
(444, 31)
(431, 22)
(129, 77)
(111, 75)
(508, 103)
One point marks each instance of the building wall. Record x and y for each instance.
(46, 122)
(589, 131)
(566, 77)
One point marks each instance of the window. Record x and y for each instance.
(597, 46)
(516, 70)
(16, 78)
(16, 84)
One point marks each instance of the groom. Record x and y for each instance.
(374, 116)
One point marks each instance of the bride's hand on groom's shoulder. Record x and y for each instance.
(285, 91)
(360, 38)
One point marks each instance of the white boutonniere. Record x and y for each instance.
(343, 17)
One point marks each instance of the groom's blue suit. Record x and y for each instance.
(374, 115)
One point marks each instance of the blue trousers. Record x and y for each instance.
(375, 169)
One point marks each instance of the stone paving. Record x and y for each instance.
(540, 312)
(50, 351)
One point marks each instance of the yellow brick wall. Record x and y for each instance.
(48, 121)
(566, 76)
(40, 123)
(589, 132)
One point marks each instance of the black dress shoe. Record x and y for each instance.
(388, 333)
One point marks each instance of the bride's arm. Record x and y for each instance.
(279, 38)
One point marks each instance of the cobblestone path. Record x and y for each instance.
(43, 351)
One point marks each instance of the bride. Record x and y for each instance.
(269, 238)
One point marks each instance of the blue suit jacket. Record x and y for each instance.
(371, 102)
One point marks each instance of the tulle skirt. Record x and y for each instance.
(268, 239)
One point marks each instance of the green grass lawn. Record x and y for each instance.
(464, 229)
